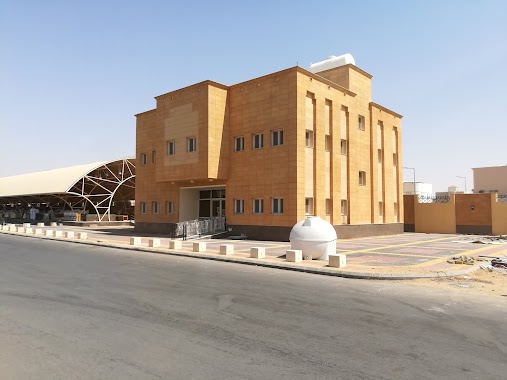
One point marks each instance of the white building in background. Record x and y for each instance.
(422, 189)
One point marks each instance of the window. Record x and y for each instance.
(169, 207)
(395, 209)
(343, 147)
(191, 144)
(309, 138)
(360, 123)
(239, 144)
(277, 206)
(257, 140)
(395, 159)
(258, 206)
(309, 206)
(277, 137)
(380, 208)
(153, 156)
(362, 178)
(144, 158)
(345, 207)
(328, 143)
(170, 147)
(379, 155)
(154, 207)
(239, 206)
(142, 206)
(329, 206)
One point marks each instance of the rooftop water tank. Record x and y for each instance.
(332, 62)
(315, 237)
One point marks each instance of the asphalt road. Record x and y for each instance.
(72, 311)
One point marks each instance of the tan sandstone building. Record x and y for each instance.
(267, 152)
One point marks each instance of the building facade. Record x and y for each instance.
(267, 152)
(491, 179)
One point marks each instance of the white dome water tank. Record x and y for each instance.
(332, 62)
(315, 237)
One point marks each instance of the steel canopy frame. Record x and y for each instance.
(112, 181)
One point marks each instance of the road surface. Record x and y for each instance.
(72, 311)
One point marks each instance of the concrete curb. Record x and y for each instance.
(257, 262)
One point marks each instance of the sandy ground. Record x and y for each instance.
(480, 282)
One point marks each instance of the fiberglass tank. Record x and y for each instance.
(315, 237)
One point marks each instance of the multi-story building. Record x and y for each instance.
(267, 152)
(491, 179)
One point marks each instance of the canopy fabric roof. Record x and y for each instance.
(56, 181)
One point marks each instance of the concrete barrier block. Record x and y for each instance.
(40, 224)
(135, 241)
(52, 224)
(226, 249)
(69, 234)
(49, 232)
(258, 252)
(26, 225)
(38, 231)
(175, 244)
(294, 255)
(338, 261)
(58, 233)
(21, 229)
(154, 243)
(12, 228)
(82, 235)
(199, 246)
(4, 227)
(29, 230)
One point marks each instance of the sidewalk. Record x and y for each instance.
(394, 257)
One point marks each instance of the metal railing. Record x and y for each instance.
(198, 227)
(435, 199)
(502, 198)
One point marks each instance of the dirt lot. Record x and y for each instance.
(480, 282)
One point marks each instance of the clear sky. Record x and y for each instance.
(73, 73)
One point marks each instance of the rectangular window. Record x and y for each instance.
(257, 141)
(144, 159)
(169, 207)
(277, 137)
(154, 207)
(239, 206)
(395, 209)
(344, 207)
(328, 143)
(309, 138)
(329, 206)
(191, 144)
(380, 208)
(395, 159)
(258, 206)
(277, 206)
(170, 147)
(239, 144)
(360, 123)
(362, 178)
(309, 206)
(153, 156)
(142, 206)
(343, 147)
(379, 155)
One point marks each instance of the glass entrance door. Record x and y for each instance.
(212, 203)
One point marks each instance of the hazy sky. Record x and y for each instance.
(74, 73)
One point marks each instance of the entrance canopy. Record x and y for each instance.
(101, 188)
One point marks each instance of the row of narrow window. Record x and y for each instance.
(155, 207)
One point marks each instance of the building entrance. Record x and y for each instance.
(212, 203)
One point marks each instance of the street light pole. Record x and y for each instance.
(465, 178)
(415, 192)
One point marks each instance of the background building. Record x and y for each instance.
(263, 154)
(490, 179)
(421, 189)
